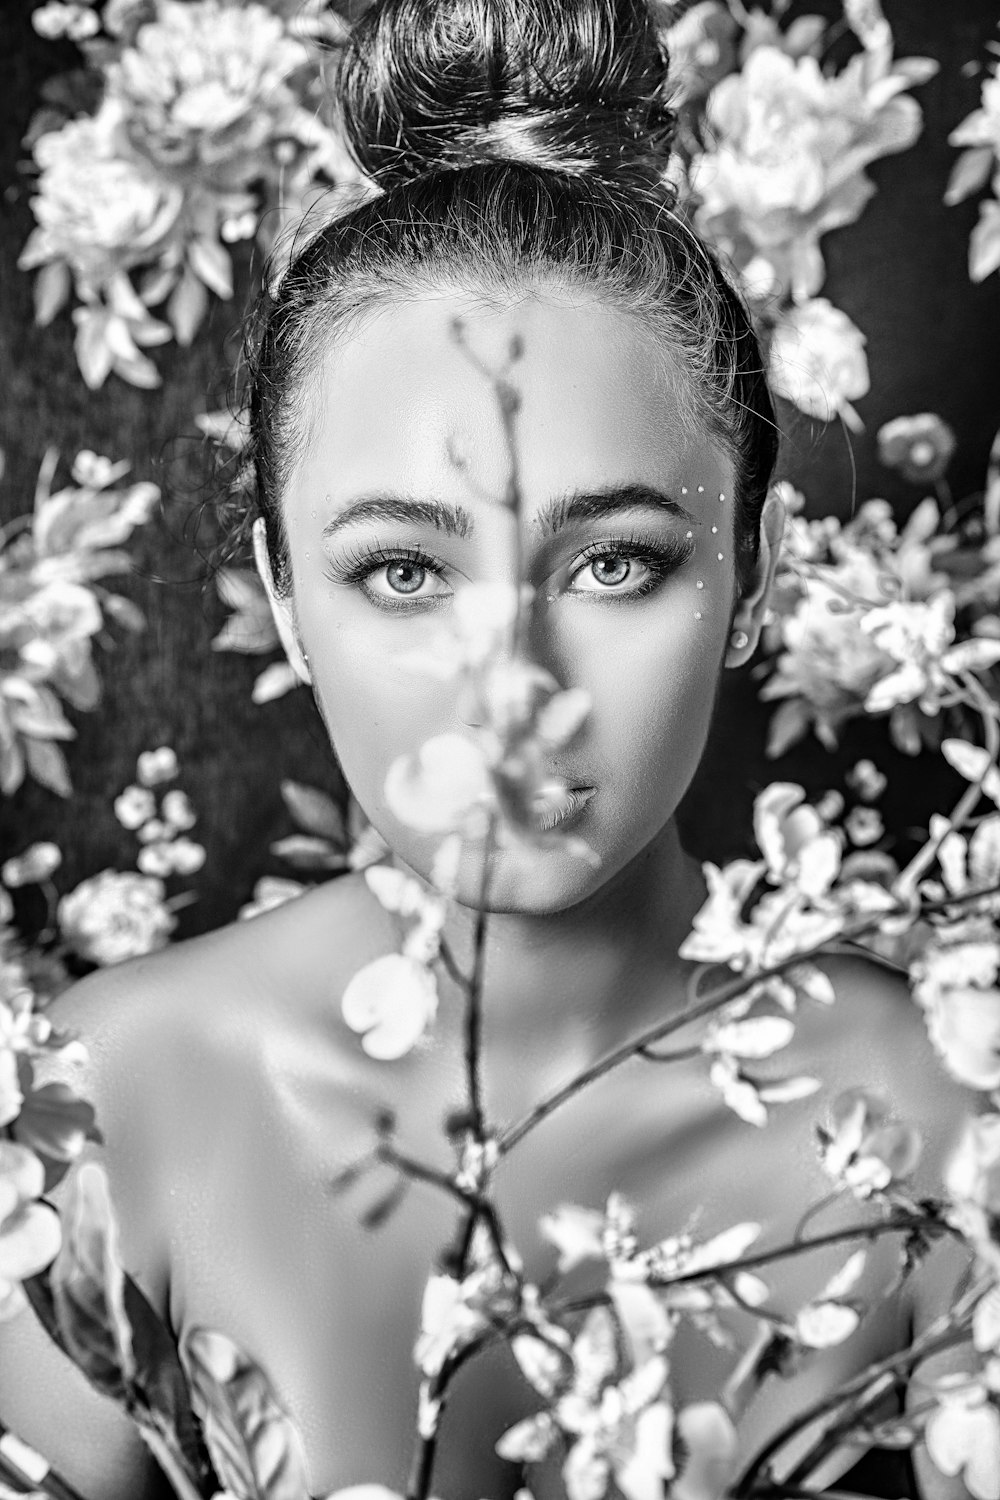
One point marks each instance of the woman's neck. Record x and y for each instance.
(595, 973)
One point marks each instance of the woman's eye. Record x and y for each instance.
(611, 571)
(402, 578)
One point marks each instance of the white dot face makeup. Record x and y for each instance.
(632, 608)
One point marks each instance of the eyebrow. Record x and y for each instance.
(564, 510)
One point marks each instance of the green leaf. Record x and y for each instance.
(255, 1448)
(87, 1283)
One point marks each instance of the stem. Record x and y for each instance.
(510, 1137)
(939, 1335)
(474, 997)
(50, 1482)
(925, 857)
(170, 1461)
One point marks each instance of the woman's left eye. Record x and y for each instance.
(611, 571)
(394, 581)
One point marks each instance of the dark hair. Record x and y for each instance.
(520, 145)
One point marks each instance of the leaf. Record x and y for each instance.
(970, 173)
(187, 306)
(274, 682)
(789, 724)
(255, 1448)
(315, 812)
(208, 260)
(91, 345)
(306, 853)
(159, 1378)
(47, 764)
(87, 1283)
(756, 1037)
(984, 242)
(52, 289)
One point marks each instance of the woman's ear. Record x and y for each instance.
(282, 607)
(748, 619)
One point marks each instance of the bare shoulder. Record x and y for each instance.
(875, 1037)
(174, 1036)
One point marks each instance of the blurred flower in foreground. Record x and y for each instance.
(29, 1231)
(116, 915)
(920, 447)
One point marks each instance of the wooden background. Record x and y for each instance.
(901, 275)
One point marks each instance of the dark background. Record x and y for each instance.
(901, 275)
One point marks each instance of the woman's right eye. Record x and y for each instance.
(402, 579)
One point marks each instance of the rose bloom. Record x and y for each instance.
(203, 87)
(919, 447)
(818, 361)
(791, 145)
(116, 915)
(98, 208)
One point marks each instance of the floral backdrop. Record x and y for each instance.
(845, 161)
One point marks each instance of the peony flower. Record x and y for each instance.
(29, 1231)
(116, 915)
(790, 145)
(390, 1002)
(818, 362)
(99, 209)
(919, 447)
(203, 88)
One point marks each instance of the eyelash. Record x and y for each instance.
(661, 557)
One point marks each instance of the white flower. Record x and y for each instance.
(204, 88)
(864, 826)
(974, 763)
(962, 1436)
(867, 780)
(964, 1028)
(443, 788)
(577, 1233)
(29, 1231)
(116, 915)
(448, 1321)
(134, 807)
(818, 361)
(177, 810)
(710, 1446)
(797, 846)
(74, 21)
(391, 1002)
(38, 862)
(789, 147)
(99, 208)
(864, 1149)
(156, 766)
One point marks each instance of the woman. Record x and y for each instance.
(520, 146)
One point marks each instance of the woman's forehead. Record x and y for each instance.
(410, 404)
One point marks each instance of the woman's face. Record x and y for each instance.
(626, 532)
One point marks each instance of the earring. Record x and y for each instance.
(739, 639)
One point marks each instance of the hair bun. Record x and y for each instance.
(572, 85)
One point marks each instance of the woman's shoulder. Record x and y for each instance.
(874, 1036)
(289, 955)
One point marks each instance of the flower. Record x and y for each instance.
(790, 145)
(864, 826)
(962, 1435)
(74, 21)
(156, 766)
(29, 1231)
(863, 1149)
(177, 810)
(134, 807)
(817, 361)
(390, 1002)
(116, 915)
(38, 862)
(442, 788)
(972, 1182)
(204, 88)
(701, 46)
(797, 846)
(867, 781)
(920, 447)
(99, 208)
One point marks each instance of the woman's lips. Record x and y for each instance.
(558, 807)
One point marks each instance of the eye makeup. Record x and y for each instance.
(358, 567)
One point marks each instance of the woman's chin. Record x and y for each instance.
(528, 878)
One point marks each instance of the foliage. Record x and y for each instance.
(53, 607)
(977, 166)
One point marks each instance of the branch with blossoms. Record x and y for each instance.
(598, 1364)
